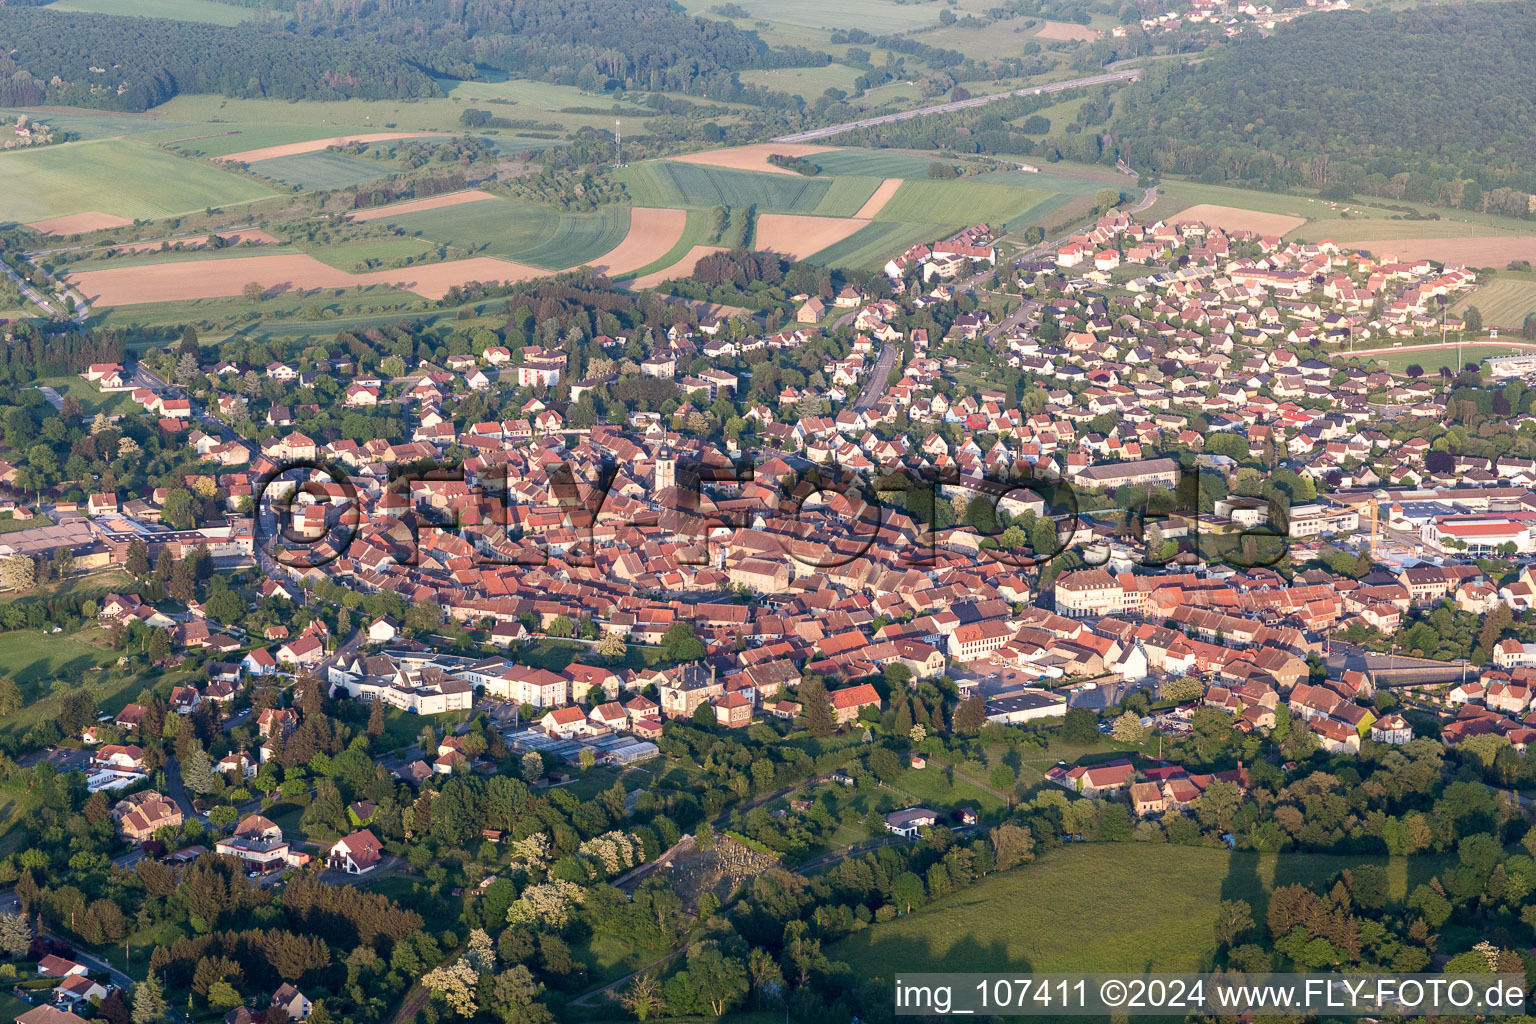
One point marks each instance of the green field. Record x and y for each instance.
(321, 170)
(116, 176)
(579, 238)
(875, 243)
(878, 163)
(529, 232)
(352, 255)
(887, 15)
(807, 82)
(846, 195)
(1504, 301)
(668, 183)
(1098, 907)
(177, 10)
(960, 203)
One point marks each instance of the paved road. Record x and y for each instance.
(874, 387)
(953, 105)
(27, 291)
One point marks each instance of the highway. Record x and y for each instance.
(953, 105)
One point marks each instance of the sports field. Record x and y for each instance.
(1098, 907)
(114, 176)
(1398, 361)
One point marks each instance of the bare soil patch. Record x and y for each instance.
(473, 195)
(185, 281)
(797, 235)
(1230, 218)
(255, 236)
(79, 223)
(753, 158)
(1068, 30)
(652, 234)
(1494, 251)
(882, 196)
(682, 268)
(316, 145)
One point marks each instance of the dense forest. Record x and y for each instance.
(639, 44)
(116, 63)
(1435, 105)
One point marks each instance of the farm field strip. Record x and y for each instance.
(798, 236)
(473, 195)
(1503, 302)
(183, 280)
(320, 170)
(79, 223)
(876, 202)
(119, 177)
(316, 145)
(1230, 218)
(752, 158)
(682, 268)
(1488, 251)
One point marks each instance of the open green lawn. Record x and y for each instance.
(91, 400)
(960, 203)
(1098, 907)
(321, 170)
(668, 183)
(177, 10)
(116, 176)
(1504, 302)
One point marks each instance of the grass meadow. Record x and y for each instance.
(1098, 907)
(321, 170)
(178, 10)
(526, 232)
(116, 176)
(666, 183)
(960, 203)
(1504, 301)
